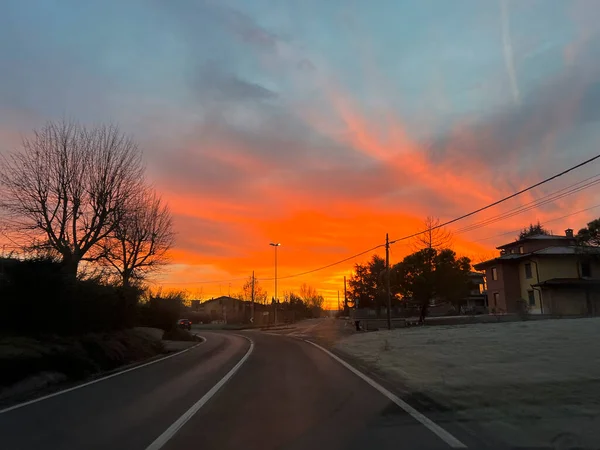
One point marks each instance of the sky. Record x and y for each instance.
(322, 125)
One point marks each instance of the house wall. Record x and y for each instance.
(525, 286)
(507, 286)
(232, 310)
(546, 268)
(564, 266)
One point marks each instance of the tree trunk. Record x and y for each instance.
(424, 307)
(126, 275)
(69, 266)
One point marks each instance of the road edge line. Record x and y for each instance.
(161, 440)
(424, 420)
(97, 380)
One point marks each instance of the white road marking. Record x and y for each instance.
(176, 426)
(97, 380)
(428, 423)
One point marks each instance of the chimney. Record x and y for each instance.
(569, 232)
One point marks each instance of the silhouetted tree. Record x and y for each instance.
(452, 281)
(293, 302)
(590, 235)
(434, 235)
(533, 230)
(312, 299)
(260, 295)
(428, 274)
(66, 190)
(141, 238)
(415, 279)
(366, 287)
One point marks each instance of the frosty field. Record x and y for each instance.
(525, 383)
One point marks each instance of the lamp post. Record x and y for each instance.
(275, 244)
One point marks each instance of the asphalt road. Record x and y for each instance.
(288, 394)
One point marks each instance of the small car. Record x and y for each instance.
(186, 324)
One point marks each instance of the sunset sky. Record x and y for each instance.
(321, 125)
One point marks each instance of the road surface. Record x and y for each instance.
(287, 394)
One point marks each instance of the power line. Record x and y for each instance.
(502, 200)
(544, 223)
(325, 267)
(201, 282)
(528, 206)
(539, 201)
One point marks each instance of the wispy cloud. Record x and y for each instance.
(509, 58)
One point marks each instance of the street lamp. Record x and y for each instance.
(275, 244)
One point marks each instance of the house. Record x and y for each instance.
(546, 274)
(477, 299)
(235, 311)
(226, 309)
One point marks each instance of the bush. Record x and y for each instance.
(160, 310)
(76, 357)
(523, 308)
(37, 298)
(177, 334)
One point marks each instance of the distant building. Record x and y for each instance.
(546, 274)
(477, 299)
(224, 308)
(235, 311)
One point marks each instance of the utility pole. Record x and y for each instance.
(345, 297)
(275, 244)
(252, 304)
(387, 281)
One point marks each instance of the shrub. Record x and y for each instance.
(76, 356)
(160, 310)
(37, 298)
(177, 334)
(522, 308)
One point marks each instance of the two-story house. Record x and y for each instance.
(549, 274)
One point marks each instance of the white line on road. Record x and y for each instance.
(176, 426)
(428, 423)
(97, 380)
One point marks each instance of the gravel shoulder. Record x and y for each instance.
(528, 383)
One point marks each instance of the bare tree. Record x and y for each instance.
(66, 189)
(434, 236)
(140, 240)
(311, 297)
(260, 294)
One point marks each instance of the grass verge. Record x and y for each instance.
(72, 358)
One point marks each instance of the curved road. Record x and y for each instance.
(288, 394)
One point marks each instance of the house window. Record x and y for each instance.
(531, 296)
(512, 251)
(528, 270)
(521, 250)
(496, 299)
(494, 273)
(586, 269)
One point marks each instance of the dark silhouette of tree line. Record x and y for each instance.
(89, 229)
